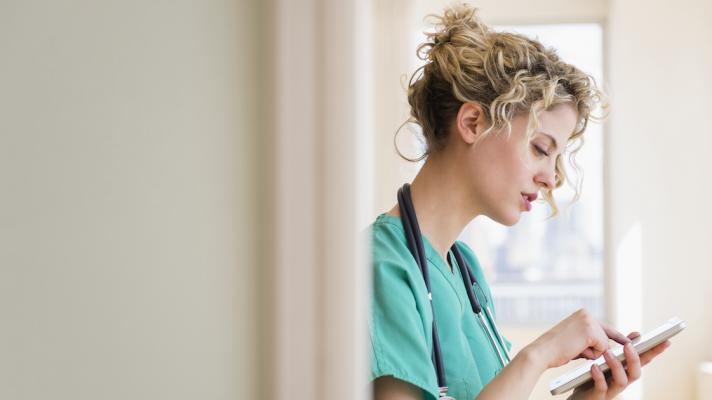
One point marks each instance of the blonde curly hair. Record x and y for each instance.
(506, 73)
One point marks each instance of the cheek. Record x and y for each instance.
(505, 181)
(502, 168)
(517, 168)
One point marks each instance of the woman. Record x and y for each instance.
(497, 111)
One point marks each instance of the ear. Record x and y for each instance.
(470, 122)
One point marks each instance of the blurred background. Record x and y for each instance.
(185, 188)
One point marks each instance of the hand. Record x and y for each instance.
(579, 335)
(611, 333)
(620, 376)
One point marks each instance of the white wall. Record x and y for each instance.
(121, 169)
(660, 143)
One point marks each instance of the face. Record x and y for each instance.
(507, 171)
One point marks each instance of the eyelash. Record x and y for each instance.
(540, 151)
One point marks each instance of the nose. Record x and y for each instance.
(546, 177)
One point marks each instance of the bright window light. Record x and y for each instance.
(542, 270)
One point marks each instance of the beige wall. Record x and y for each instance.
(184, 186)
(530, 12)
(121, 246)
(136, 188)
(659, 148)
(321, 134)
(394, 25)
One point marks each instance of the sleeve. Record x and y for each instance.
(476, 269)
(400, 346)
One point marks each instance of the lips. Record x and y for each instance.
(527, 199)
(530, 196)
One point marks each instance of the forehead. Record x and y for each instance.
(559, 121)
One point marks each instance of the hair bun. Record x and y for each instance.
(449, 29)
(462, 16)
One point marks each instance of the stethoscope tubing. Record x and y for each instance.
(504, 356)
(415, 243)
(484, 315)
(477, 307)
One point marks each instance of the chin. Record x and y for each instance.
(508, 219)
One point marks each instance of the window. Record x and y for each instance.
(542, 270)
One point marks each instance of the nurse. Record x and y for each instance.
(497, 111)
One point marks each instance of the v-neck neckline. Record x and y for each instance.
(430, 253)
(453, 278)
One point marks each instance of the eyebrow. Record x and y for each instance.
(556, 145)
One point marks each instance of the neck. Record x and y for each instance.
(442, 204)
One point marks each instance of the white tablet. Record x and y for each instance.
(641, 344)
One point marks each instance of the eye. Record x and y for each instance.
(540, 151)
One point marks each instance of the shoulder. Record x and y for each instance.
(387, 242)
(392, 264)
(401, 317)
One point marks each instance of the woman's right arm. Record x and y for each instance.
(578, 335)
(390, 388)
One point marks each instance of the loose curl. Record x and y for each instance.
(506, 73)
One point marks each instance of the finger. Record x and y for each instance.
(600, 387)
(598, 342)
(615, 335)
(597, 353)
(632, 363)
(633, 335)
(648, 356)
(620, 379)
(588, 353)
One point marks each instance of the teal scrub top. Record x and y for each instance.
(401, 317)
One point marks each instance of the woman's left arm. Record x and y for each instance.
(518, 378)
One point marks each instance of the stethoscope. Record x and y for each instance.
(415, 244)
